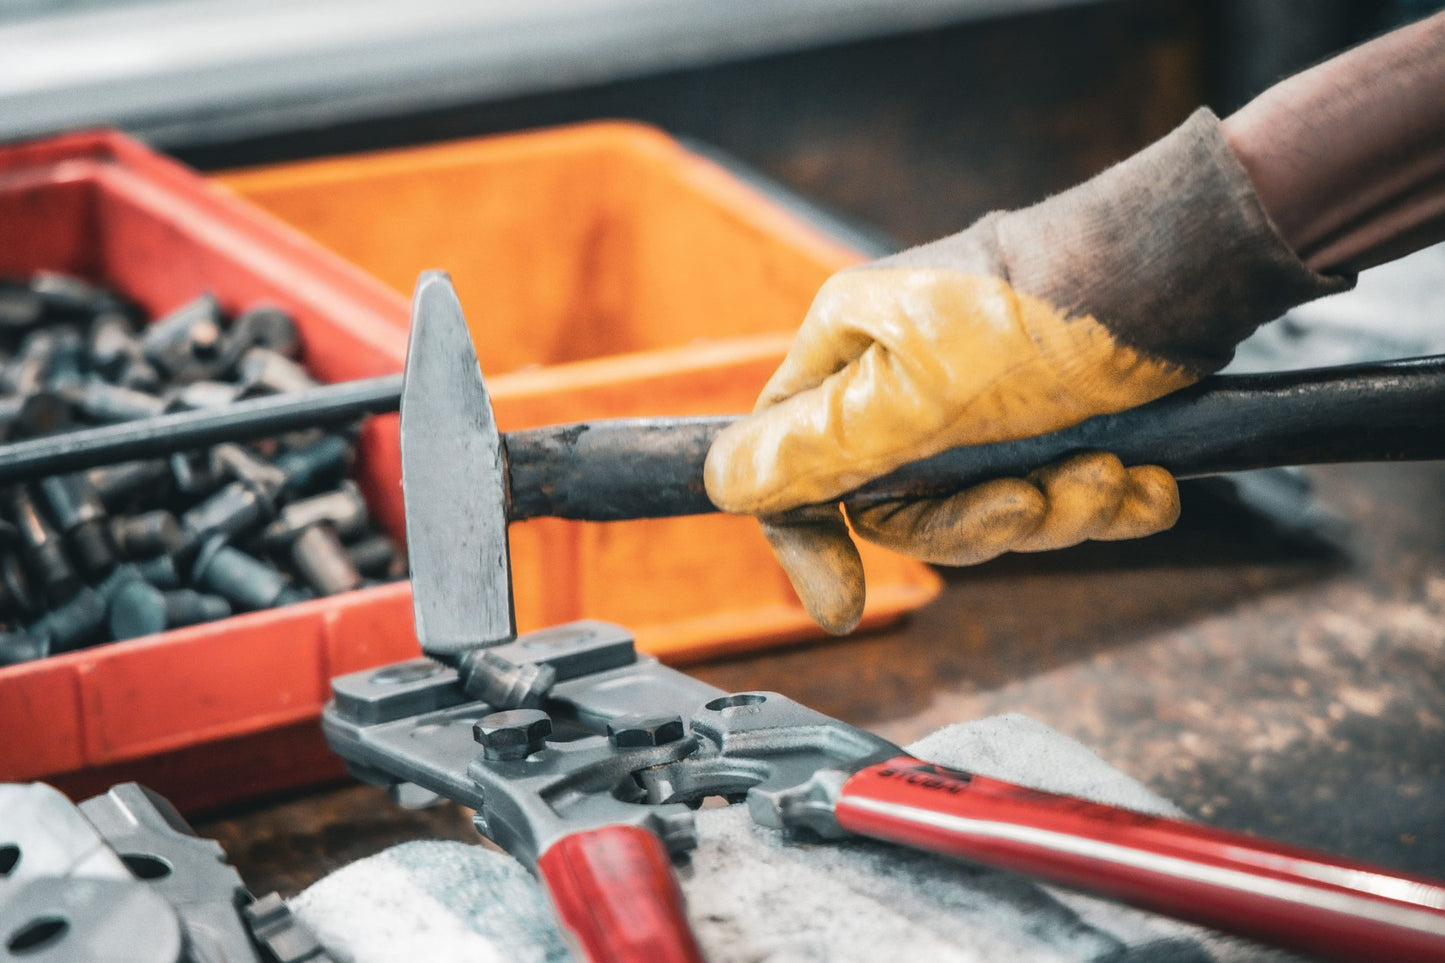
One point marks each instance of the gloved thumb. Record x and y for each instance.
(820, 559)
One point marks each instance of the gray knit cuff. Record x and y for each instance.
(1170, 249)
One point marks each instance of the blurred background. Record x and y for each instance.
(914, 118)
(1254, 666)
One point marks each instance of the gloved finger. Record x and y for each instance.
(963, 529)
(1084, 494)
(858, 423)
(1151, 504)
(822, 562)
(825, 343)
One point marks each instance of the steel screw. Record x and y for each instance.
(514, 734)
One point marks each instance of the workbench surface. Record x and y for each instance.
(1266, 686)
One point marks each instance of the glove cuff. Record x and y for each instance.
(1170, 250)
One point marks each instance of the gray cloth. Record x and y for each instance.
(754, 895)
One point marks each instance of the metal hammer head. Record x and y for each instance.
(454, 483)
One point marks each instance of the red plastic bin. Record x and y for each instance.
(214, 712)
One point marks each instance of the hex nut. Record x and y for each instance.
(514, 734)
(633, 731)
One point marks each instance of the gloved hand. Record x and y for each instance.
(1130, 286)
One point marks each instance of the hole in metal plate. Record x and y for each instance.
(39, 934)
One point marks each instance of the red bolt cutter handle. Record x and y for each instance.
(614, 891)
(1281, 894)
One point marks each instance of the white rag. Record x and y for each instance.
(754, 895)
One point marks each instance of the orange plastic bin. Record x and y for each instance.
(606, 272)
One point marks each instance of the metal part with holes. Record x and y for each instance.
(82, 920)
(190, 873)
(43, 834)
(122, 878)
(413, 723)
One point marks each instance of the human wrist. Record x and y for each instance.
(1348, 157)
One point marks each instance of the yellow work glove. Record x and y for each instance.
(1128, 287)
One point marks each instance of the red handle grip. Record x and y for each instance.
(1280, 894)
(614, 891)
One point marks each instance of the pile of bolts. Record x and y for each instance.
(130, 549)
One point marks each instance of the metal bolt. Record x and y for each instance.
(20, 307)
(67, 296)
(123, 575)
(241, 464)
(633, 731)
(512, 735)
(322, 561)
(374, 556)
(67, 363)
(204, 394)
(79, 513)
(237, 508)
(149, 533)
(247, 582)
(117, 483)
(42, 546)
(160, 571)
(265, 327)
(140, 375)
(75, 623)
(27, 373)
(505, 684)
(113, 344)
(39, 413)
(344, 510)
(266, 370)
(18, 647)
(184, 343)
(193, 476)
(309, 468)
(141, 609)
(16, 595)
(103, 401)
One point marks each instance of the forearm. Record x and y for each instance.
(1348, 158)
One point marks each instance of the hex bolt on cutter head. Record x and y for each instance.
(585, 759)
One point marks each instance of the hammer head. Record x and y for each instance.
(454, 483)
